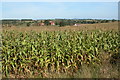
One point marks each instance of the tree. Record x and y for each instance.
(61, 24)
(28, 24)
(47, 22)
(113, 20)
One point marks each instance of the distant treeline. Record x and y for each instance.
(52, 22)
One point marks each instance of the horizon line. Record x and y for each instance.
(57, 18)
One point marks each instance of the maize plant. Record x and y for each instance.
(24, 52)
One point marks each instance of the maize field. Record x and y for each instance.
(25, 52)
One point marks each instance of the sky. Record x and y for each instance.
(60, 0)
(52, 10)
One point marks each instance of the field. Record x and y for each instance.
(85, 51)
(99, 26)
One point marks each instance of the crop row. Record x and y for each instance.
(24, 52)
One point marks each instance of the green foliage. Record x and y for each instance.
(24, 52)
(47, 22)
(60, 22)
(28, 24)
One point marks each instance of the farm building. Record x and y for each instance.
(52, 23)
(41, 24)
(77, 24)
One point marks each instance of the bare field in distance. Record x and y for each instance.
(98, 26)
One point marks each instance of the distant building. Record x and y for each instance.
(41, 24)
(76, 24)
(52, 23)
